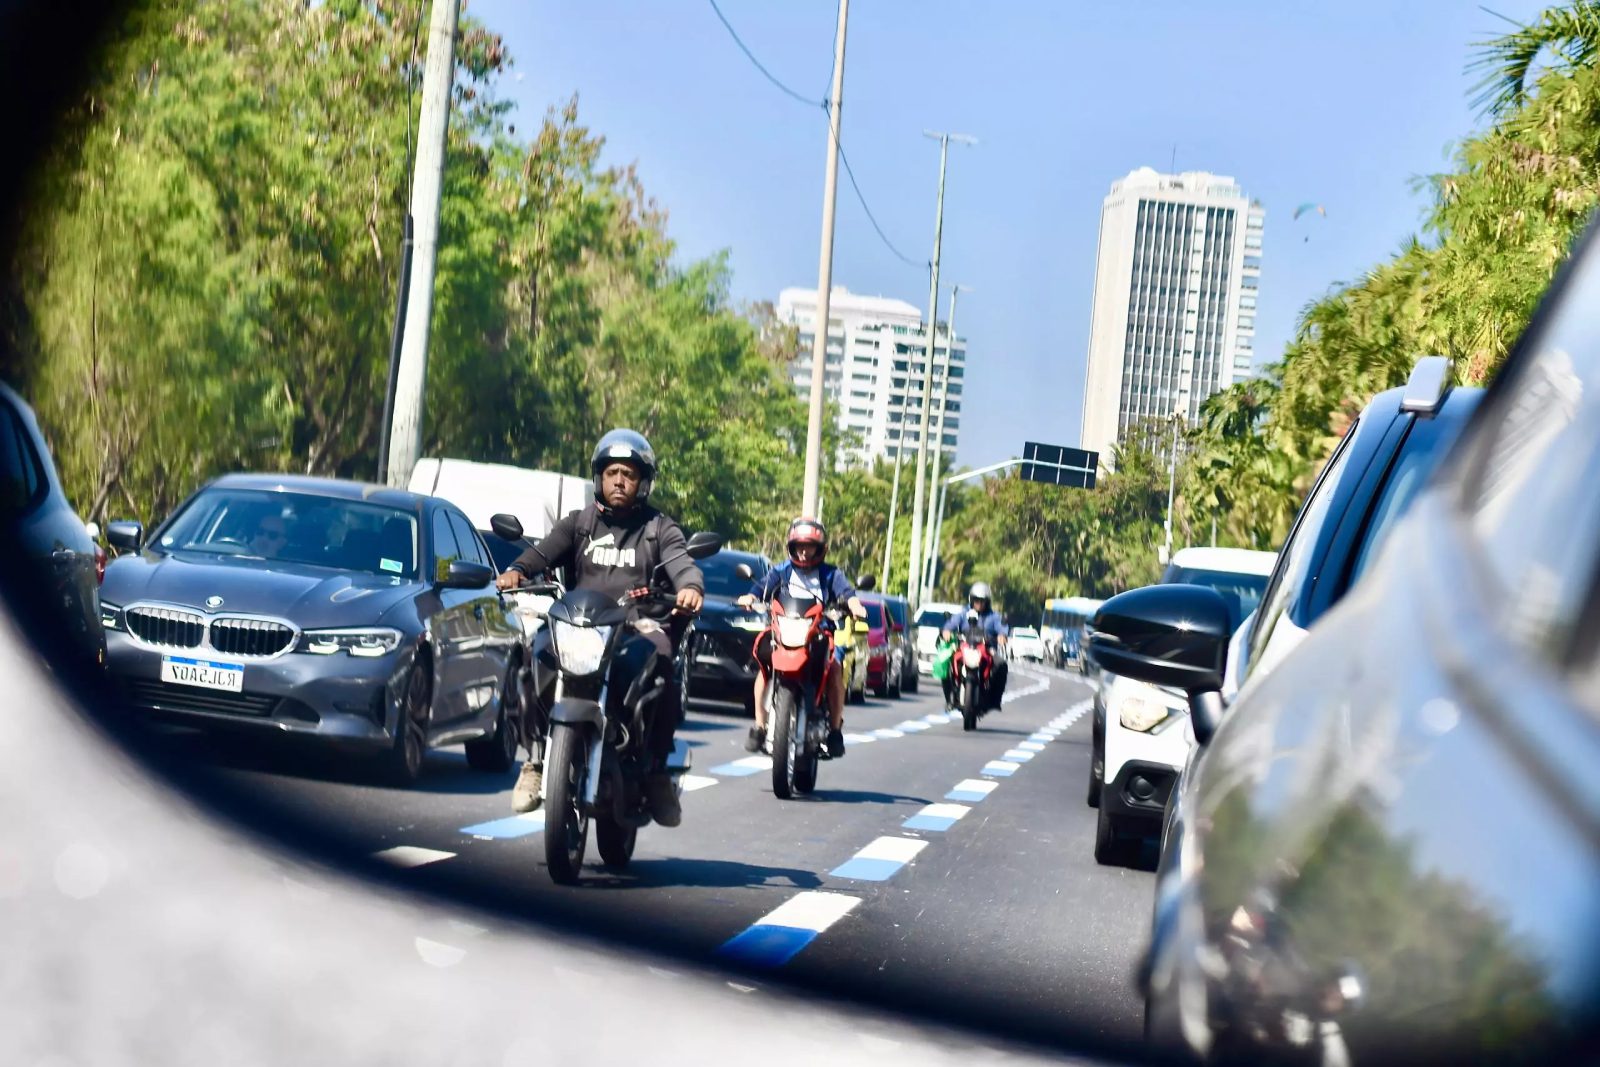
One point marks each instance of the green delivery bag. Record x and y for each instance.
(941, 661)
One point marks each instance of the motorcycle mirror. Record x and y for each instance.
(703, 544)
(506, 527)
(867, 582)
(744, 571)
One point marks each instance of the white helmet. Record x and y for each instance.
(980, 591)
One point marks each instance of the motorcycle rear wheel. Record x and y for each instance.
(566, 830)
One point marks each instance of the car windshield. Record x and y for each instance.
(874, 615)
(721, 579)
(1026, 632)
(296, 528)
(1241, 591)
(931, 617)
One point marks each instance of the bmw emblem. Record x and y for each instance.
(213, 602)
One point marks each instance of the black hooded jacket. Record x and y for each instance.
(614, 552)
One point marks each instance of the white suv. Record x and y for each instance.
(930, 620)
(1142, 735)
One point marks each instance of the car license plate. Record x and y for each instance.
(204, 673)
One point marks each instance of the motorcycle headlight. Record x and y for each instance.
(972, 656)
(792, 631)
(1142, 714)
(580, 648)
(110, 616)
(753, 623)
(359, 641)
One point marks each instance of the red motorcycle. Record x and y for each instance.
(797, 694)
(973, 667)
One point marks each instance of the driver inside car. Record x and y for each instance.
(613, 546)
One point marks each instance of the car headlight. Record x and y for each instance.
(110, 616)
(793, 630)
(580, 648)
(1138, 713)
(358, 641)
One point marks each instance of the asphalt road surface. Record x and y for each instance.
(942, 873)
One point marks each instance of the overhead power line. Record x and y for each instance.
(824, 104)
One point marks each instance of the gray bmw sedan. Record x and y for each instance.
(358, 614)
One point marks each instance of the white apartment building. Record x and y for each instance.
(1173, 319)
(876, 358)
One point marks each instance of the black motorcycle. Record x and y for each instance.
(597, 755)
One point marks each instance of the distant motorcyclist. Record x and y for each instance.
(613, 546)
(806, 572)
(980, 601)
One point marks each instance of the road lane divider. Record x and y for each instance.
(741, 768)
(412, 856)
(881, 860)
(1018, 755)
(512, 826)
(777, 937)
(971, 790)
(1000, 768)
(693, 782)
(936, 818)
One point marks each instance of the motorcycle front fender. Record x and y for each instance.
(788, 660)
(576, 712)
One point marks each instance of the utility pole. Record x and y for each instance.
(405, 436)
(914, 572)
(819, 340)
(894, 506)
(938, 433)
(1172, 485)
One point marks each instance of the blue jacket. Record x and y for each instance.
(992, 626)
(835, 586)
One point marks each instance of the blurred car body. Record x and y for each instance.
(886, 648)
(720, 649)
(931, 618)
(1024, 643)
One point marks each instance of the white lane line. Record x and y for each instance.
(889, 733)
(1000, 768)
(412, 855)
(971, 790)
(741, 768)
(1031, 746)
(693, 782)
(777, 937)
(1017, 755)
(860, 739)
(912, 726)
(936, 817)
(938, 718)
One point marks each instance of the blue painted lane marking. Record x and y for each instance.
(1000, 768)
(777, 937)
(740, 768)
(935, 818)
(881, 860)
(1018, 755)
(971, 790)
(515, 826)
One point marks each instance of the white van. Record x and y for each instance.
(1141, 733)
(482, 490)
(930, 620)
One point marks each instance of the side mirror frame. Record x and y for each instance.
(507, 527)
(867, 582)
(745, 571)
(125, 535)
(704, 544)
(1168, 635)
(465, 574)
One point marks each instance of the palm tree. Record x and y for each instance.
(1571, 32)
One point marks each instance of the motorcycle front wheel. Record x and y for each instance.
(566, 829)
(787, 740)
(616, 841)
(969, 705)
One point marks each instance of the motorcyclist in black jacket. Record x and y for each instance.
(613, 546)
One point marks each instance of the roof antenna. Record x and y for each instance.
(1174, 169)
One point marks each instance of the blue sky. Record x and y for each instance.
(1344, 104)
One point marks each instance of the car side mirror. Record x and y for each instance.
(506, 527)
(703, 544)
(744, 571)
(125, 535)
(1168, 635)
(867, 583)
(465, 574)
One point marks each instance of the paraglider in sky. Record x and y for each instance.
(1310, 206)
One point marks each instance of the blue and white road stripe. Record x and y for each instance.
(1000, 768)
(1018, 755)
(741, 768)
(777, 937)
(881, 860)
(936, 818)
(913, 726)
(971, 790)
(513, 826)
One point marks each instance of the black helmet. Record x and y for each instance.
(629, 446)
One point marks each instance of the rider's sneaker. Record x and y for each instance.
(525, 794)
(757, 739)
(835, 744)
(661, 793)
